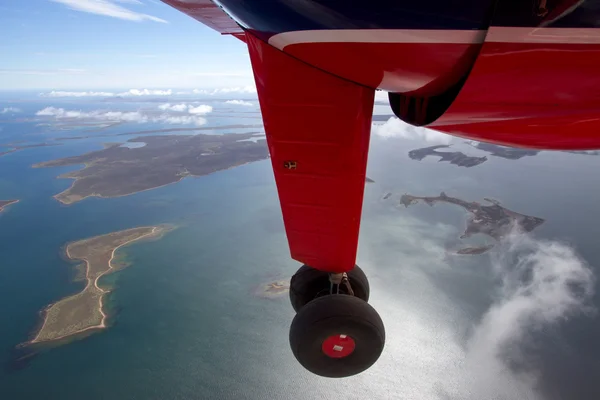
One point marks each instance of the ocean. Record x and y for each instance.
(187, 320)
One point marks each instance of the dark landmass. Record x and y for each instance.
(584, 152)
(369, 180)
(119, 171)
(492, 220)
(510, 153)
(13, 148)
(453, 157)
(69, 125)
(203, 128)
(463, 160)
(5, 203)
(151, 131)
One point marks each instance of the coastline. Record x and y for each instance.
(8, 204)
(181, 177)
(75, 178)
(92, 285)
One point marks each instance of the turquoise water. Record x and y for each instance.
(186, 321)
(192, 292)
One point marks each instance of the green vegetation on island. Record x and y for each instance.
(119, 171)
(84, 311)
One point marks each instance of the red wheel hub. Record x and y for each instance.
(338, 346)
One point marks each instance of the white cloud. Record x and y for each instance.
(542, 283)
(120, 116)
(394, 127)
(241, 73)
(381, 96)
(130, 92)
(146, 92)
(201, 109)
(173, 107)
(59, 93)
(109, 8)
(226, 90)
(239, 102)
(100, 115)
(428, 305)
(182, 119)
(11, 110)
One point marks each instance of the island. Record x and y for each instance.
(6, 203)
(119, 170)
(274, 289)
(84, 311)
(463, 160)
(510, 153)
(453, 157)
(168, 130)
(492, 220)
(583, 152)
(12, 147)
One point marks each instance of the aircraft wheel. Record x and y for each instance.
(309, 283)
(337, 336)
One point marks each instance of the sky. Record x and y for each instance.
(110, 44)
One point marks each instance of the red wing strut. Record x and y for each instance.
(318, 128)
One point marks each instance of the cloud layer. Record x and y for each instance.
(146, 92)
(240, 103)
(155, 92)
(226, 90)
(542, 283)
(10, 110)
(193, 116)
(60, 93)
(467, 329)
(189, 108)
(130, 92)
(110, 9)
(394, 127)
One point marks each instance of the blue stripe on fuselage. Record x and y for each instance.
(277, 16)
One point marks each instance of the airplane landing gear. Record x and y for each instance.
(335, 332)
(308, 283)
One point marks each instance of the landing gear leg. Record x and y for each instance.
(335, 332)
(308, 283)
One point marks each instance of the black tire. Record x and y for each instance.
(331, 317)
(308, 283)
